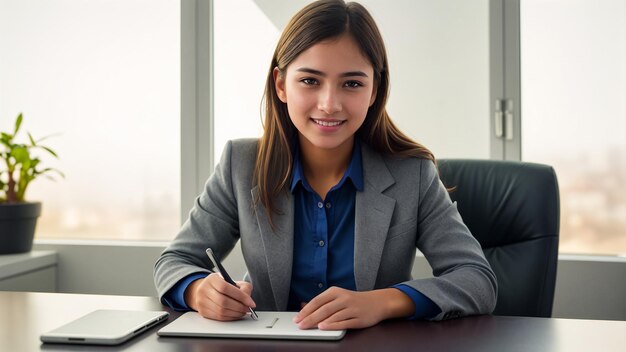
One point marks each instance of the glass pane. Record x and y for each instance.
(574, 114)
(439, 63)
(105, 77)
(241, 60)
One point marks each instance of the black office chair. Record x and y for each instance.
(512, 209)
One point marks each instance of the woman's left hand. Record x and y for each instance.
(338, 309)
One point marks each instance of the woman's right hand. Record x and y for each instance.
(216, 299)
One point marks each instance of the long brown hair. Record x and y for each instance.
(319, 21)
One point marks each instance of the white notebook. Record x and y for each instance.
(271, 325)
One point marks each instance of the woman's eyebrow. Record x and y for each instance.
(320, 73)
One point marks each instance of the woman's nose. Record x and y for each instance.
(329, 101)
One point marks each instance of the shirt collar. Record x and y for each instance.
(354, 171)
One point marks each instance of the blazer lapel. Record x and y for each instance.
(278, 245)
(372, 219)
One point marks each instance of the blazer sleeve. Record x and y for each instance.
(463, 282)
(213, 222)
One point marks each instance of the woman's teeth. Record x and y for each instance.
(328, 123)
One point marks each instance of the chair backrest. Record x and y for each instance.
(512, 209)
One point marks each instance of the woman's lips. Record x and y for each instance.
(328, 123)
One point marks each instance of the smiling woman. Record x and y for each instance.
(327, 99)
(314, 201)
(104, 77)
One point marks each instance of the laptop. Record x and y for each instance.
(270, 325)
(105, 327)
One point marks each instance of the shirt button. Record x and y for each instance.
(320, 205)
(320, 285)
(328, 205)
(321, 243)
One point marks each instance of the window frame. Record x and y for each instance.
(196, 115)
(505, 80)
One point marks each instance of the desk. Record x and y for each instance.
(25, 315)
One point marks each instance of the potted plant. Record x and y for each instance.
(18, 168)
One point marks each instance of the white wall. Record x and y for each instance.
(586, 287)
(99, 267)
(439, 69)
(439, 64)
(590, 288)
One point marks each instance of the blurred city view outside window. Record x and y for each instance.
(573, 67)
(104, 78)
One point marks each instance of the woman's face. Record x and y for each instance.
(328, 89)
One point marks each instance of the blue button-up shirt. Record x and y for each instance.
(323, 253)
(323, 250)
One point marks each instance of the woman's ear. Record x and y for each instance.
(279, 85)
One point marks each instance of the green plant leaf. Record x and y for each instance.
(20, 154)
(31, 166)
(58, 172)
(48, 136)
(26, 165)
(49, 177)
(21, 167)
(18, 123)
(32, 141)
(6, 139)
(48, 150)
(48, 170)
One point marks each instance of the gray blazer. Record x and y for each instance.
(403, 206)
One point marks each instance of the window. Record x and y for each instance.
(241, 61)
(105, 76)
(574, 114)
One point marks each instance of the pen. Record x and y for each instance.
(220, 269)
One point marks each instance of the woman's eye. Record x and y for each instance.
(309, 81)
(353, 84)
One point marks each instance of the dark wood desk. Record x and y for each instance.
(25, 315)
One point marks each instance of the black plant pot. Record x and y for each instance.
(17, 226)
